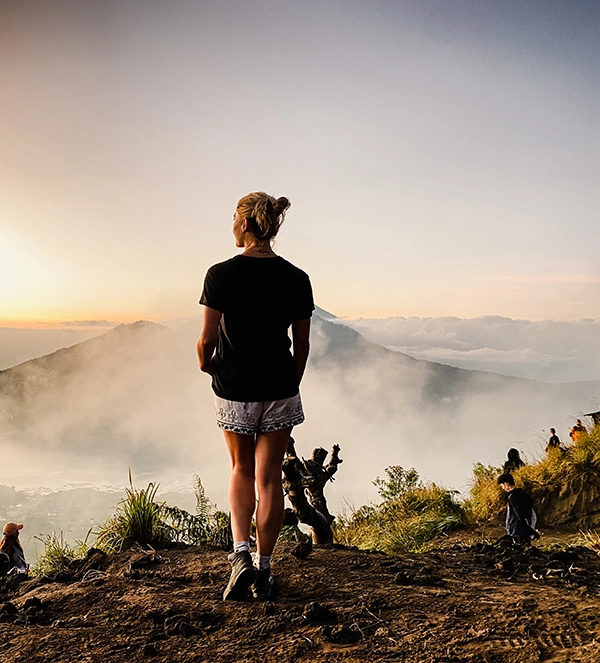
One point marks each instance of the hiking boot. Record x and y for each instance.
(243, 574)
(262, 588)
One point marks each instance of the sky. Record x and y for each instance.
(441, 156)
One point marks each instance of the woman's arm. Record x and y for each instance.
(208, 339)
(300, 345)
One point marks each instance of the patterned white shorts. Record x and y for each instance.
(258, 417)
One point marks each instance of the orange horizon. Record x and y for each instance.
(66, 323)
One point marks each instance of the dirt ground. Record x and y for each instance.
(483, 603)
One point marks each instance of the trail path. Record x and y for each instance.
(483, 604)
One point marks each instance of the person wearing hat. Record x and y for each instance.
(12, 548)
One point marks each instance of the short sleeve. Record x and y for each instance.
(213, 292)
(305, 303)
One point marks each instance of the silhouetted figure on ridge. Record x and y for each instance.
(513, 462)
(577, 431)
(553, 442)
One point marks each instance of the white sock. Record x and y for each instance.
(262, 562)
(241, 546)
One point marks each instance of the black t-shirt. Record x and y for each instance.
(512, 464)
(259, 299)
(519, 513)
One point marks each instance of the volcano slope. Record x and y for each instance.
(487, 603)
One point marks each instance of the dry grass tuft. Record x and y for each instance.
(411, 518)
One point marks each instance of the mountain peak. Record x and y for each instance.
(325, 315)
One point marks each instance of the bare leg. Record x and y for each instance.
(268, 453)
(242, 499)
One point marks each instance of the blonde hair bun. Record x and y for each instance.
(264, 213)
(281, 206)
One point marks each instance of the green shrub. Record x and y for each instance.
(486, 498)
(137, 520)
(56, 555)
(411, 518)
(397, 482)
(290, 533)
(140, 519)
(206, 526)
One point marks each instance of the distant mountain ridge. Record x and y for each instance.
(550, 350)
(134, 397)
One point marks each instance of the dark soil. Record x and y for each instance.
(481, 603)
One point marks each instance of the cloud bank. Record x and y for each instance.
(134, 398)
(549, 350)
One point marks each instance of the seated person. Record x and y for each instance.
(5, 564)
(11, 547)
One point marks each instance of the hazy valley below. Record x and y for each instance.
(77, 420)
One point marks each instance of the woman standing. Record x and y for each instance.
(250, 303)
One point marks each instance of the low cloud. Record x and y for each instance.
(135, 398)
(104, 324)
(554, 351)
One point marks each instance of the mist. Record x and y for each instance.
(133, 398)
